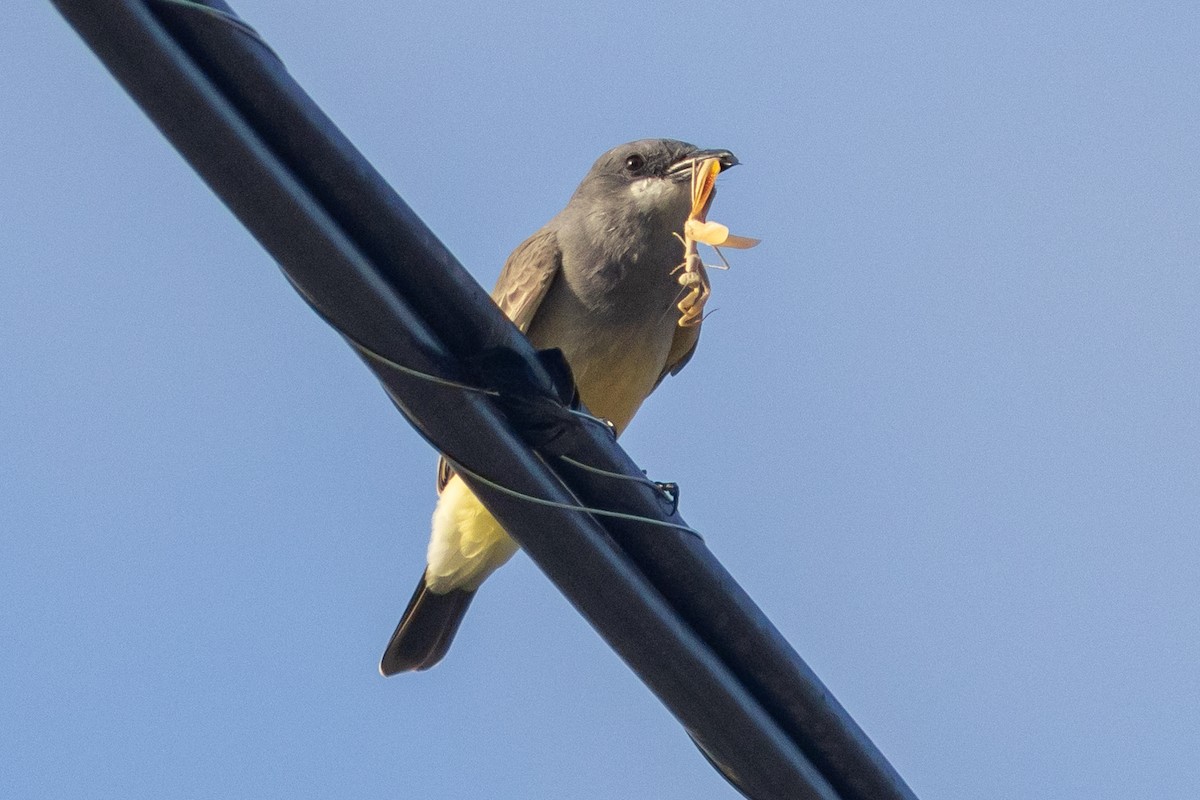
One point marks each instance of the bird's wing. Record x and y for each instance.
(519, 292)
(527, 276)
(683, 347)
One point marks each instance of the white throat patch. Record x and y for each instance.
(650, 192)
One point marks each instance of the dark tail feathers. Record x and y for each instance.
(426, 629)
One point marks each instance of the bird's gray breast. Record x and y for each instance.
(612, 312)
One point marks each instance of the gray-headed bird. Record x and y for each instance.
(613, 282)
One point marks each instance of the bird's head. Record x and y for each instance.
(650, 177)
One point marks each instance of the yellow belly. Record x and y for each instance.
(467, 544)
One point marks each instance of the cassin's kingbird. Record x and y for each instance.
(599, 282)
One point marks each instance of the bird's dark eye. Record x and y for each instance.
(635, 162)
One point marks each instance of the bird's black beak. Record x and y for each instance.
(726, 158)
(682, 169)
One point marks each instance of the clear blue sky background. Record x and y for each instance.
(945, 426)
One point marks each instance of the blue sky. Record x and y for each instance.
(944, 427)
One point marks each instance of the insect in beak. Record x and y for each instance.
(704, 179)
(696, 229)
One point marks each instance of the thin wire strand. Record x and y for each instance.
(607, 473)
(642, 479)
(601, 512)
(416, 373)
(361, 347)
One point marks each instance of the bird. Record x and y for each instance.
(600, 282)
